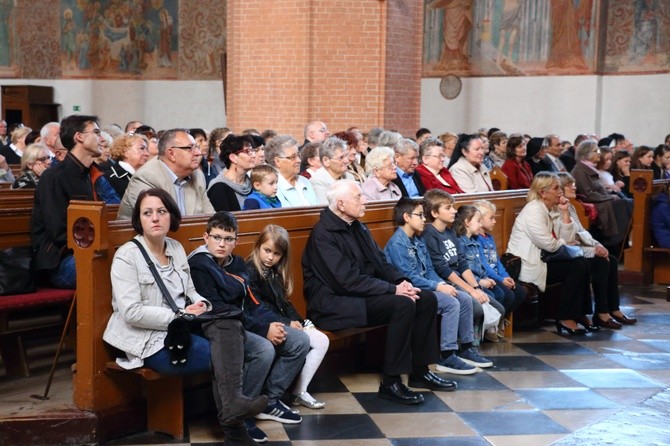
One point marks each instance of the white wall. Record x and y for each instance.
(161, 104)
(637, 106)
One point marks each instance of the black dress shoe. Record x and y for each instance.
(588, 325)
(431, 381)
(399, 393)
(623, 319)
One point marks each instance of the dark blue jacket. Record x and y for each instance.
(660, 220)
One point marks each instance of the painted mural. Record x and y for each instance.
(112, 39)
(544, 37)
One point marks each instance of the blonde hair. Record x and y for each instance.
(19, 133)
(31, 154)
(279, 237)
(541, 181)
(484, 207)
(123, 142)
(261, 171)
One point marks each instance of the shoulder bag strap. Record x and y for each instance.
(159, 280)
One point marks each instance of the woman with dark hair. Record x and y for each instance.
(603, 167)
(467, 165)
(545, 224)
(518, 171)
(642, 158)
(141, 314)
(620, 170)
(661, 164)
(231, 187)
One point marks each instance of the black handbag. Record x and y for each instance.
(512, 265)
(563, 253)
(17, 273)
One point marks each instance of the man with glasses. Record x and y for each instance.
(406, 160)
(174, 170)
(71, 179)
(231, 187)
(334, 162)
(315, 131)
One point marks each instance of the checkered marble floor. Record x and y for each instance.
(543, 388)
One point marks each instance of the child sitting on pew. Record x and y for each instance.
(271, 282)
(264, 182)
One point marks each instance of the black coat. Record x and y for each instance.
(338, 275)
(118, 177)
(267, 288)
(417, 181)
(69, 180)
(10, 156)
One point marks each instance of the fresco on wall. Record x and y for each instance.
(119, 38)
(7, 39)
(638, 36)
(545, 37)
(509, 37)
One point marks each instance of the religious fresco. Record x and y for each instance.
(638, 36)
(544, 37)
(112, 39)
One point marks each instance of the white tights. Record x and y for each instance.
(318, 343)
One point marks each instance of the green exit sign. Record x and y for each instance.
(76, 108)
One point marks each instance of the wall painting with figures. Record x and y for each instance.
(112, 39)
(545, 37)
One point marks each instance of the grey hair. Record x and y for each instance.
(584, 149)
(376, 158)
(44, 131)
(275, 147)
(373, 135)
(108, 138)
(389, 139)
(405, 145)
(338, 190)
(167, 139)
(330, 145)
(428, 143)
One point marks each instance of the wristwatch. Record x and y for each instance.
(478, 287)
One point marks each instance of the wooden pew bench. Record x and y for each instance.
(643, 261)
(99, 384)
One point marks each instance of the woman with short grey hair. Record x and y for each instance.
(380, 167)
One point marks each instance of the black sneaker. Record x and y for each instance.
(255, 432)
(280, 413)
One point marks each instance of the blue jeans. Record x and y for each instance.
(65, 275)
(456, 322)
(271, 369)
(198, 359)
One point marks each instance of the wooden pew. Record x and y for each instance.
(16, 198)
(643, 261)
(98, 387)
(498, 178)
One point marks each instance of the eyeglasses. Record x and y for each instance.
(418, 214)
(248, 150)
(341, 158)
(42, 159)
(293, 157)
(227, 240)
(190, 148)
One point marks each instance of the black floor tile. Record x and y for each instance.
(512, 422)
(373, 404)
(556, 348)
(334, 427)
(478, 381)
(326, 383)
(518, 363)
(566, 398)
(448, 441)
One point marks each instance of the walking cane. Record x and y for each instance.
(58, 350)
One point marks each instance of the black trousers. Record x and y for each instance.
(605, 281)
(575, 294)
(411, 340)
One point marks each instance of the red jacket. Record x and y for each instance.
(519, 175)
(431, 182)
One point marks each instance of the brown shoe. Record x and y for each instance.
(623, 319)
(609, 323)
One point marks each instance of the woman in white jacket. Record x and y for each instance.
(545, 224)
